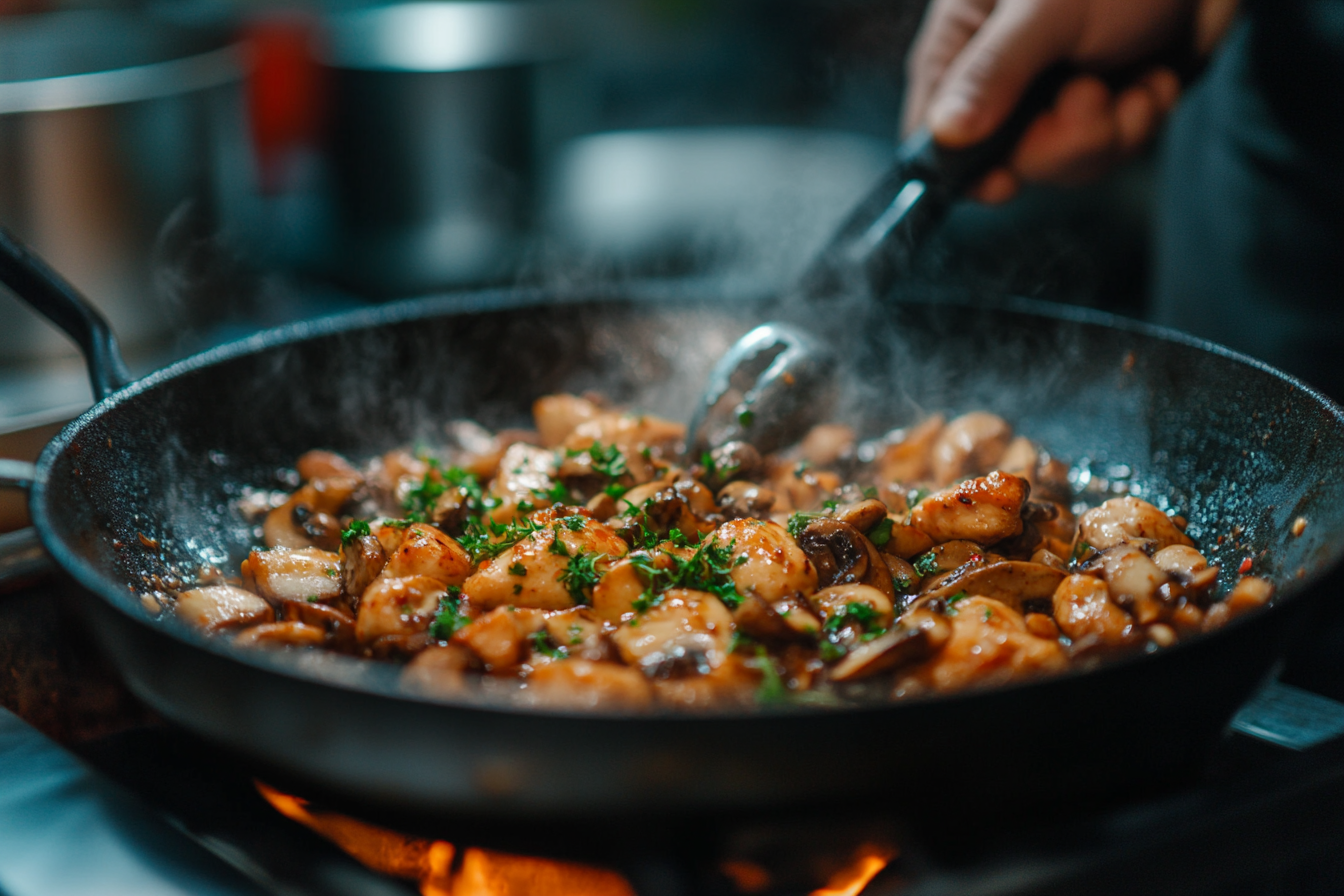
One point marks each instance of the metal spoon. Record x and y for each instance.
(778, 381)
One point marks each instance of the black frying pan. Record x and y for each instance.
(1231, 441)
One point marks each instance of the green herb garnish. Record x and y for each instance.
(581, 574)
(358, 529)
(881, 533)
(541, 643)
(517, 569)
(448, 618)
(926, 564)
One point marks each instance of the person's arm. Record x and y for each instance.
(972, 59)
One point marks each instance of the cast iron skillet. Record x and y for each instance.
(1230, 441)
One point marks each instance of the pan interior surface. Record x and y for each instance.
(145, 484)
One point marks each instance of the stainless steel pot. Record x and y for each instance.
(107, 122)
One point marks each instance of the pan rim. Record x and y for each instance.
(504, 299)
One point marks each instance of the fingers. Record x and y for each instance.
(984, 82)
(1091, 128)
(947, 26)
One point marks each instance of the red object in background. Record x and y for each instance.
(286, 93)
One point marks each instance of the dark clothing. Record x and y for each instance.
(1250, 229)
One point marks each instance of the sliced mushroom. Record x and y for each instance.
(834, 604)
(949, 556)
(335, 621)
(302, 574)
(1133, 580)
(862, 515)
(316, 504)
(362, 559)
(917, 636)
(217, 607)
(1012, 582)
(787, 619)
(731, 461)
(837, 550)
(281, 634)
(744, 500)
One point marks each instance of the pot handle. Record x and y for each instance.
(22, 559)
(47, 293)
(881, 235)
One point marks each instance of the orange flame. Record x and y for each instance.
(850, 880)
(482, 872)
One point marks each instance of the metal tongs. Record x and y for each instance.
(778, 381)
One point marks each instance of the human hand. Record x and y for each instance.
(972, 60)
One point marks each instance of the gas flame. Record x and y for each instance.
(481, 872)
(851, 880)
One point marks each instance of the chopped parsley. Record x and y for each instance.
(576, 634)
(606, 460)
(798, 522)
(581, 574)
(541, 643)
(419, 501)
(517, 569)
(708, 569)
(859, 613)
(485, 539)
(574, 522)
(915, 495)
(881, 533)
(746, 418)
(1082, 551)
(556, 494)
(772, 688)
(358, 529)
(926, 564)
(800, 468)
(448, 618)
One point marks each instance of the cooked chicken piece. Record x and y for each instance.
(581, 684)
(970, 444)
(499, 638)
(438, 671)
(983, 510)
(425, 551)
(556, 416)
(1129, 519)
(1181, 561)
(775, 567)
(579, 633)
(686, 631)
(732, 683)
(526, 477)
(1083, 609)
(787, 619)
(546, 570)
(325, 465)
(907, 541)
(397, 606)
(826, 443)
(1019, 458)
(217, 607)
(302, 574)
(614, 597)
(907, 460)
(989, 644)
(1013, 582)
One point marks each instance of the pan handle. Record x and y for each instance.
(878, 240)
(47, 293)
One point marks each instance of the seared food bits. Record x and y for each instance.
(582, 564)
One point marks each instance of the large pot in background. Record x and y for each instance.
(431, 138)
(107, 124)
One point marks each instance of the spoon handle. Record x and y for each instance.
(879, 239)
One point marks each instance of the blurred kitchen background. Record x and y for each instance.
(206, 168)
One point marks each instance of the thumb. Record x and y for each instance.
(1017, 42)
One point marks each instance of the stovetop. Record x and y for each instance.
(1264, 815)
